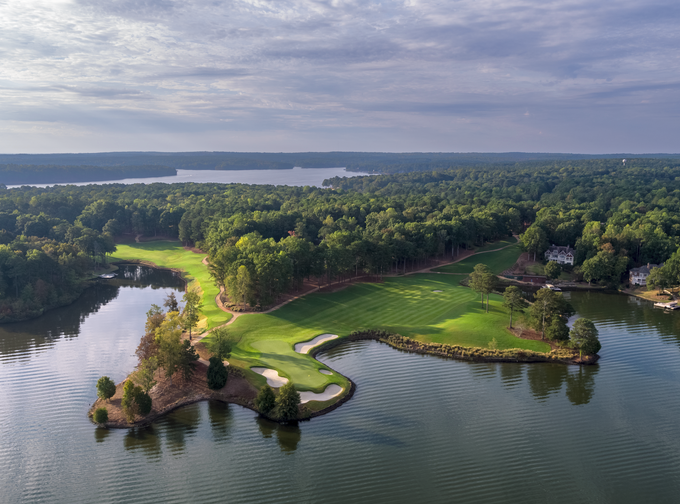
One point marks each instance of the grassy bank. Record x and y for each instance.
(498, 261)
(171, 254)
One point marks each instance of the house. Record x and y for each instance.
(562, 255)
(638, 276)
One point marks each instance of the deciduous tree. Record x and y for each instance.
(513, 300)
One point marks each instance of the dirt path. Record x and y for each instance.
(137, 238)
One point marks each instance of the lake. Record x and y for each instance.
(419, 428)
(294, 177)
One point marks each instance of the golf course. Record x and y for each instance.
(172, 255)
(497, 260)
(428, 307)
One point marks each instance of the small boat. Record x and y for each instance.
(673, 305)
(108, 276)
(552, 287)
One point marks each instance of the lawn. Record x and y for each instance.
(404, 305)
(498, 261)
(171, 254)
(497, 244)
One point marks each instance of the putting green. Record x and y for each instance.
(404, 305)
(498, 261)
(171, 254)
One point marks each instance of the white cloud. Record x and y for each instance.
(300, 74)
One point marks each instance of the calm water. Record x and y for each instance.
(419, 429)
(295, 177)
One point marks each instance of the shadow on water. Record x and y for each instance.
(546, 380)
(180, 425)
(145, 440)
(100, 434)
(65, 322)
(288, 436)
(221, 419)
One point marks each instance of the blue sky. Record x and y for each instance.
(303, 75)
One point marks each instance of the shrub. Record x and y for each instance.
(265, 400)
(287, 403)
(217, 374)
(128, 402)
(143, 401)
(105, 388)
(557, 330)
(101, 416)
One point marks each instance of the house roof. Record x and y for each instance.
(560, 250)
(646, 269)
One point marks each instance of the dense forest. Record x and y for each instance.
(14, 174)
(263, 240)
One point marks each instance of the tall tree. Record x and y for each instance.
(192, 310)
(584, 336)
(547, 305)
(513, 300)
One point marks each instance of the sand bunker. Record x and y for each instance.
(325, 371)
(272, 376)
(437, 291)
(306, 346)
(331, 391)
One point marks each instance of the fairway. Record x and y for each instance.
(497, 244)
(498, 261)
(171, 254)
(403, 305)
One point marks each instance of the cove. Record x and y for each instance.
(419, 428)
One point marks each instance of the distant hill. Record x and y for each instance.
(17, 174)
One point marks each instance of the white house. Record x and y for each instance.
(561, 255)
(638, 276)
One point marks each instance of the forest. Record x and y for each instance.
(264, 240)
(18, 174)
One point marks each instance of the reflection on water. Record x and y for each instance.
(418, 429)
(288, 435)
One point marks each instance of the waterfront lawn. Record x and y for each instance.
(403, 305)
(498, 261)
(171, 254)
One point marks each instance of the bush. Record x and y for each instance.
(217, 374)
(143, 401)
(128, 402)
(557, 330)
(105, 388)
(287, 403)
(265, 400)
(101, 416)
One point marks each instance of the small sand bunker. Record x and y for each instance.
(437, 291)
(325, 371)
(331, 391)
(272, 376)
(306, 346)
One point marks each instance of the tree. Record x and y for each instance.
(548, 304)
(101, 416)
(287, 403)
(244, 287)
(534, 240)
(128, 402)
(584, 336)
(265, 400)
(146, 372)
(552, 270)
(217, 374)
(188, 359)
(557, 330)
(192, 309)
(513, 300)
(219, 343)
(169, 342)
(483, 281)
(171, 302)
(143, 401)
(106, 389)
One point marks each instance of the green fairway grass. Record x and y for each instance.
(404, 305)
(171, 254)
(497, 244)
(498, 261)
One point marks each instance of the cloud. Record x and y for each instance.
(420, 74)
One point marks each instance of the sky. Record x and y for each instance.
(330, 75)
